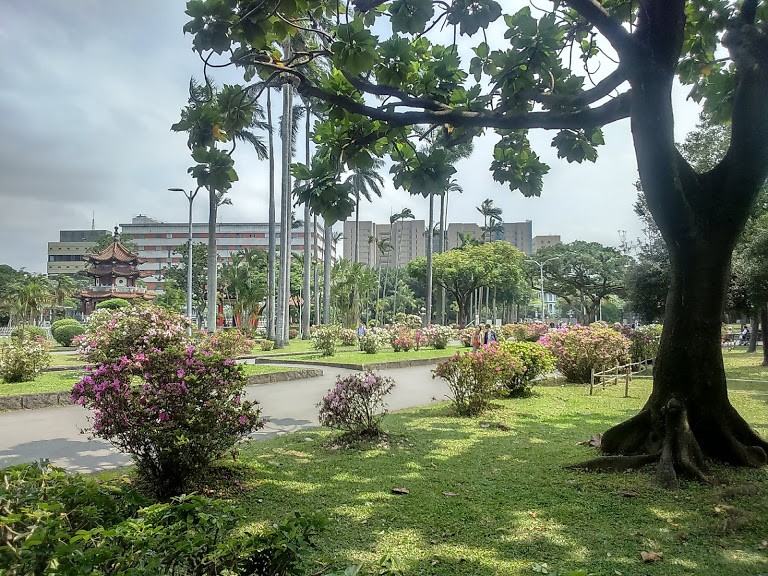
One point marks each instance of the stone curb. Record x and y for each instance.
(372, 366)
(48, 399)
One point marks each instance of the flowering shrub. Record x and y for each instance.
(187, 412)
(23, 358)
(465, 335)
(529, 332)
(407, 320)
(644, 341)
(438, 336)
(579, 349)
(470, 380)
(110, 335)
(356, 404)
(348, 337)
(402, 340)
(371, 342)
(228, 343)
(292, 333)
(532, 360)
(267, 345)
(325, 338)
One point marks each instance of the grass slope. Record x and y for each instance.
(490, 500)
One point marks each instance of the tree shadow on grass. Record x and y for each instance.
(491, 500)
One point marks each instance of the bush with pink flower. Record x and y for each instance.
(644, 341)
(228, 343)
(529, 332)
(174, 411)
(112, 334)
(438, 336)
(23, 357)
(356, 404)
(532, 360)
(471, 379)
(402, 340)
(580, 349)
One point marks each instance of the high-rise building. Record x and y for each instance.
(546, 240)
(367, 248)
(456, 232)
(520, 235)
(157, 242)
(405, 237)
(67, 255)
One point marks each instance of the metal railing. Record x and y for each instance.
(126, 289)
(612, 376)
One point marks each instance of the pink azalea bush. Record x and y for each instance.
(228, 343)
(112, 334)
(438, 336)
(471, 378)
(402, 340)
(348, 337)
(529, 332)
(644, 341)
(356, 404)
(579, 349)
(174, 410)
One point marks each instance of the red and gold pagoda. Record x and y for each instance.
(114, 272)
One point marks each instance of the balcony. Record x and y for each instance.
(123, 289)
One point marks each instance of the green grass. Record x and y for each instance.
(66, 359)
(489, 501)
(254, 369)
(45, 382)
(739, 366)
(64, 380)
(355, 357)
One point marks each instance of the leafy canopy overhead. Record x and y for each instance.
(459, 67)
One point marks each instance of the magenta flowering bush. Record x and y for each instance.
(174, 411)
(532, 360)
(644, 341)
(402, 340)
(112, 334)
(579, 349)
(356, 404)
(529, 332)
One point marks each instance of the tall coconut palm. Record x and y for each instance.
(283, 290)
(488, 210)
(271, 314)
(29, 296)
(364, 182)
(327, 263)
(382, 246)
(306, 262)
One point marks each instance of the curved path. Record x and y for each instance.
(54, 433)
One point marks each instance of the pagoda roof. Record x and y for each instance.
(124, 270)
(116, 293)
(115, 252)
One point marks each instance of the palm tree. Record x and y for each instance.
(29, 296)
(306, 271)
(399, 217)
(364, 181)
(272, 225)
(327, 242)
(488, 210)
(383, 246)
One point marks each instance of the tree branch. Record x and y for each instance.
(600, 90)
(364, 85)
(611, 111)
(614, 32)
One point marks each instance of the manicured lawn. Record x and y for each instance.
(296, 346)
(66, 359)
(45, 382)
(63, 381)
(740, 366)
(485, 500)
(253, 369)
(355, 357)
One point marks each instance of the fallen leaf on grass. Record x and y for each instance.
(450, 494)
(763, 545)
(532, 513)
(594, 441)
(649, 557)
(400, 491)
(628, 493)
(485, 424)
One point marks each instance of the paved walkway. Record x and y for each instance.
(54, 433)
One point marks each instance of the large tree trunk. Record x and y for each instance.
(688, 414)
(754, 324)
(327, 241)
(316, 269)
(284, 280)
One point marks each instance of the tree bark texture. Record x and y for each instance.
(306, 287)
(283, 284)
(764, 326)
(688, 417)
(428, 298)
(327, 263)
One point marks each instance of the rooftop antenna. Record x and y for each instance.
(93, 220)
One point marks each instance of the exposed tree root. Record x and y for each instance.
(615, 463)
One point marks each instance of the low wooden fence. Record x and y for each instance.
(619, 373)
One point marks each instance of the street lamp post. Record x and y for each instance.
(191, 197)
(541, 279)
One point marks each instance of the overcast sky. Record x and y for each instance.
(90, 88)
